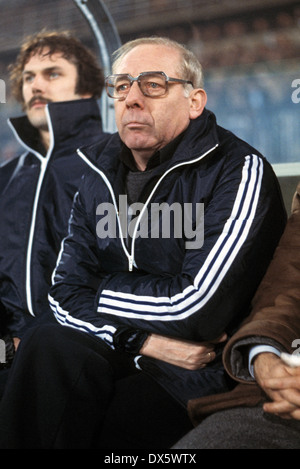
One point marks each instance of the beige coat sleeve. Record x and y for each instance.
(275, 316)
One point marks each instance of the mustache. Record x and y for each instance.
(35, 99)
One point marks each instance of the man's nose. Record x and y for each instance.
(135, 96)
(38, 84)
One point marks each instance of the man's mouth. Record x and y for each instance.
(135, 124)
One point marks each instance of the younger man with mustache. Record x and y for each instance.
(57, 80)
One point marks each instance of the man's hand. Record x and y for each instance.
(281, 383)
(183, 353)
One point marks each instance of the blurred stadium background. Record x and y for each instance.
(250, 51)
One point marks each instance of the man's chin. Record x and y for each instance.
(37, 118)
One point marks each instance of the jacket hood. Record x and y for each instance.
(200, 136)
(67, 120)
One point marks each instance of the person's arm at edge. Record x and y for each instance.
(275, 317)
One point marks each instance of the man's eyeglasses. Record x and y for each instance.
(152, 84)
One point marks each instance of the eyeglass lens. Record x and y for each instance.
(151, 84)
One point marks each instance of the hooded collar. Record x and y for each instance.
(200, 137)
(68, 121)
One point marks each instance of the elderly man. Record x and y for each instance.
(146, 307)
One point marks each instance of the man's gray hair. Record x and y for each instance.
(190, 67)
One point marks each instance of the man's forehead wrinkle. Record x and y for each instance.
(166, 57)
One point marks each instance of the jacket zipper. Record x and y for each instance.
(82, 155)
(44, 160)
(130, 255)
(154, 189)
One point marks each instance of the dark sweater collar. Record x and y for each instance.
(158, 158)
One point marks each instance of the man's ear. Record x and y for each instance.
(198, 99)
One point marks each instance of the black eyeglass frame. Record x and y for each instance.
(138, 80)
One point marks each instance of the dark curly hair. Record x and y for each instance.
(90, 75)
